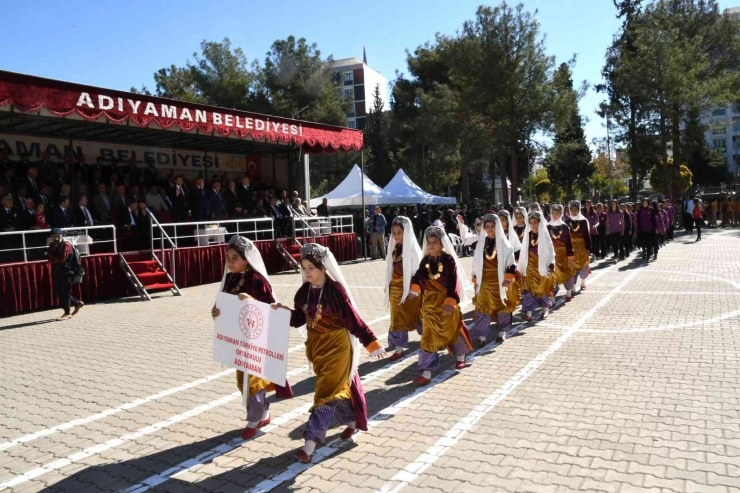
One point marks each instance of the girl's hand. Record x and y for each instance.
(570, 263)
(215, 312)
(414, 294)
(276, 306)
(447, 310)
(244, 296)
(507, 283)
(378, 353)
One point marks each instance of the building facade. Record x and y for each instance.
(358, 82)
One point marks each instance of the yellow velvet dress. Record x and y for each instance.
(581, 254)
(403, 316)
(488, 300)
(563, 252)
(329, 351)
(535, 283)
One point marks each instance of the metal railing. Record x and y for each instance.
(314, 226)
(28, 244)
(205, 235)
(162, 236)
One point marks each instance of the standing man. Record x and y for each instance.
(61, 257)
(216, 202)
(62, 215)
(324, 210)
(688, 217)
(378, 224)
(199, 204)
(178, 197)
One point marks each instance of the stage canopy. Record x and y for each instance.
(405, 191)
(349, 192)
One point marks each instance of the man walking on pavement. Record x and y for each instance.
(377, 233)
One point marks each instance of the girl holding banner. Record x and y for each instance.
(401, 263)
(335, 331)
(246, 277)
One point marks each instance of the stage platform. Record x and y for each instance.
(28, 286)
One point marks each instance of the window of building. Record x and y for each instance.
(348, 78)
(720, 144)
(719, 130)
(736, 125)
(349, 93)
(719, 112)
(352, 124)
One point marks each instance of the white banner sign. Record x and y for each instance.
(252, 337)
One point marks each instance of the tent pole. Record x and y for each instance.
(307, 180)
(362, 181)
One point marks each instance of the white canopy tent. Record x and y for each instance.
(405, 191)
(349, 192)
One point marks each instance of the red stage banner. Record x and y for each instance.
(31, 94)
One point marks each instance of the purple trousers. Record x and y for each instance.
(322, 417)
(583, 274)
(399, 338)
(256, 406)
(530, 303)
(430, 361)
(482, 322)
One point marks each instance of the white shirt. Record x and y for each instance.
(131, 215)
(689, 206)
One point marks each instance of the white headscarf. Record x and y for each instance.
(513, 237)
(411, 258)
(558, 221)
(245, 247)
(504, 251)
(579, 216)
(332, 270)
(545, 250)
(463, 282)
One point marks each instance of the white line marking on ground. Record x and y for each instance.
(109, 412)
(332, 447)
(459, 430)
(225, 448)
(115, 442)
(700, 293)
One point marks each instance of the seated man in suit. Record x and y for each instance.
(120, 201)
(82, 214)
(62, 215)
(102, 205)
(128, 225)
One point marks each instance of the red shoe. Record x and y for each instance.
(302, 456)
(583, 287)
(347, 433)
(396, 356)
(250, 432)
(461, 364)
(422, 381)
(568, 299)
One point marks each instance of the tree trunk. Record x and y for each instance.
(676, 130)
(664, 151)
(464, 184)
(514, 177)
(502, 177)
(633, 152)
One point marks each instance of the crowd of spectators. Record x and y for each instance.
(41, 195)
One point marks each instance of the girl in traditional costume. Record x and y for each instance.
(560, 234)
(246, 277)
(494, 271)
(520, 218)
(441, 283)
(580, 237)
(536, 263)
(401, 264)
(515, 238)
(335, 331)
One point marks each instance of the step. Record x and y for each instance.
(293, 248)
(296, 257)
(159, 286)
(147, 278)
(141, 266)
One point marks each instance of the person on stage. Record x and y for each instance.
(494, 271)
(580, 237)
(537, 264)
(246, 277)
(560, 234)
(335, 330)
(440, 281)
(401, 264)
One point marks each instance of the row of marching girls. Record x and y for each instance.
(334, 330)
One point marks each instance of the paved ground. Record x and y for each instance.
(634, 386)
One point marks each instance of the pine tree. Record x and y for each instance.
(379, 164)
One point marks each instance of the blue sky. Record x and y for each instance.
(121, 44)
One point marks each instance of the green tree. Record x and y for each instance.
(296, 79)
(708, 166)
(379, 165)
(658, 174)
(569, 162)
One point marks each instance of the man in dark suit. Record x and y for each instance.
(28, 215)
(95, 180)
(119, 203)
(324, 210)
(216, 202)
(281, 222)
(128, 226)
(180, 202)
(101, 205)
(10, 220)
(62, 215)
(244, 191)
(231, 199)
(82, 215)
(199, 202)
(31, 184)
